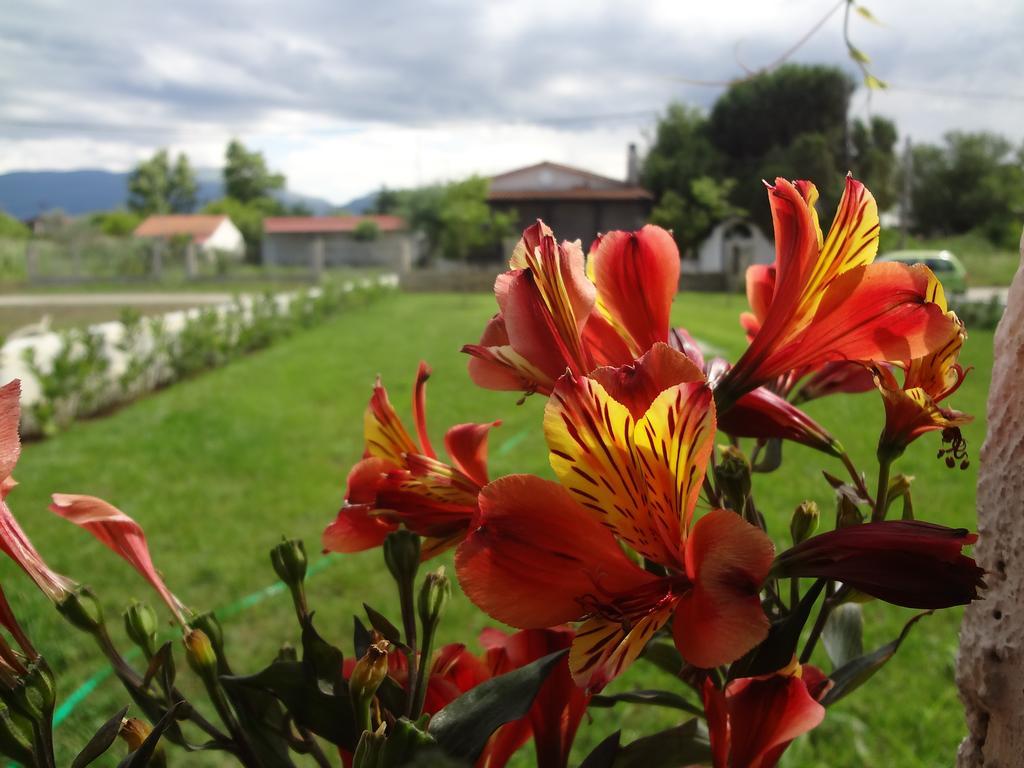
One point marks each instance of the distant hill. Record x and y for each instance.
(24, 194)
(362, 204)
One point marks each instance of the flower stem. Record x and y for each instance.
(407, 600)
(421, 671)
(858, 481)
(882, 495)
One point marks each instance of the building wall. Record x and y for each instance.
(391, 250)
(225, 238)
(578, 220)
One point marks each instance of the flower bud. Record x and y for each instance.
(81, 608)
(135, 732)
(366, 678)
(434, 594)
(289, 561)
(402, 555)
(804, 522)
(847, 512)
(199, 651)
(141, 623)
(210, 626)
(369, 749)
(287, 652)
(732, 473)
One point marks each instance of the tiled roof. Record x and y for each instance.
(582, 193)
(281, 225)
(199, 227)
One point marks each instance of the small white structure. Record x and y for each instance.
(725, 254)
(209, 234)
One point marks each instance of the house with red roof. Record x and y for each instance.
(209, 234)
(336, 241)
(575, 203)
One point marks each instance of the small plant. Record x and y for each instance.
(366, 231)
(73, 382)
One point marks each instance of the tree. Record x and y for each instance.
(972, 181)
(11, 228)
(684, 171)
(386, 201)
(182, 188)
(155, 187)
(246, 176)
(455, 218)
(117, 223)
(692, 218)
(873, 161)
(764, 126)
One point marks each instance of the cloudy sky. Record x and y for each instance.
(345, 96)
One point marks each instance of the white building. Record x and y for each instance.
(721, 261)
(209, 234)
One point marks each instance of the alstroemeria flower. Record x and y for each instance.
(555, 314)
(13, 541)
(558, 707)
(825, 300)
(631, 456)
(840, 376)
(402, 482)
(905, 562)
(913, 409)
(754, 719)
(122, 535)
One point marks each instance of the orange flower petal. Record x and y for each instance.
(721, 618)
(10, 443)
(604, 648)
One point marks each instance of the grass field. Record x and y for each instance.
(217, 468)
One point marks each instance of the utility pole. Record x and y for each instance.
(907, 194)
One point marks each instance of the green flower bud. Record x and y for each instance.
(434, 595)
(732, 473)
(402, 555)
(804, 522)
(82, 609)
(211, 627)
(141, 624)
(199, 652)
(289, 561)
(368, 750)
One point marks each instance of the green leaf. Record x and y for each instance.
(603, 755)
(326, 714)
(858, 55)
(321, 659)
(656, 698)
(779, 647)
(101, 741)
(854, 674)
(867, 14)
(843, 635)
(379, 622)
(162, 659)
(361, 638)
(686, 744)
(874, 83)
(463, 727)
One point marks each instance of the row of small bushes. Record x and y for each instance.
(982, 315)
(94, 368)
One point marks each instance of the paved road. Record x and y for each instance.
(112, 299)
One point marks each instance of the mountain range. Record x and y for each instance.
(24, 194)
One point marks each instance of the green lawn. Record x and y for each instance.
(217, 468)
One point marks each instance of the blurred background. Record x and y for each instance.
(163, 159)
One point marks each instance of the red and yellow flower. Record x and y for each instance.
(754, 719)
(403, 482)
(558, 313)
(630, 448)
(913, 409)
(824, 299)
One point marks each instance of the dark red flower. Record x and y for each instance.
(906, 562)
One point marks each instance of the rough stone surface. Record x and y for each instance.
(990, 670)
